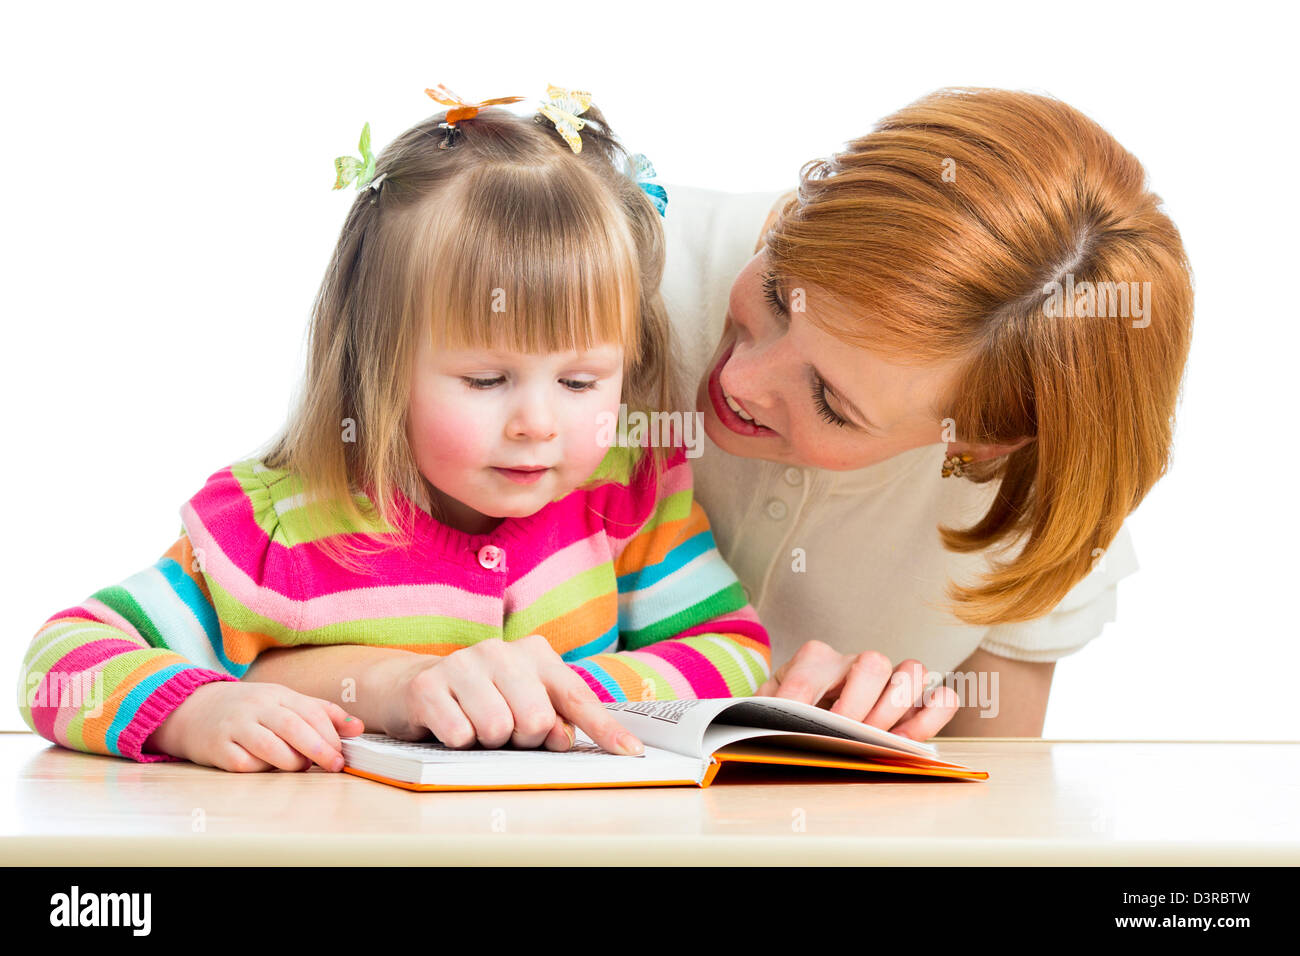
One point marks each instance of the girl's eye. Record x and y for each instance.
(574, 385)
(578, 386)
(483, 382)
(772, 294)
(825, 411)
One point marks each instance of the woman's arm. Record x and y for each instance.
(1014, 693)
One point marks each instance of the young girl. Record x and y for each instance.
(441, 508)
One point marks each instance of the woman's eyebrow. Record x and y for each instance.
(847, 403)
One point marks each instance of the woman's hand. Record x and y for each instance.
(497, 692)
(247, 726)
(866, 688)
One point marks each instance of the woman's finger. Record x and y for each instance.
(931, 718)
(904, 689)
(815, 671)
(867, 675)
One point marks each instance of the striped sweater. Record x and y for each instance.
(623, 579)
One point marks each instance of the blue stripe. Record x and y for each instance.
(687, 551)
(132, 702)
(206, 614)
(606, 642)
(602, 676)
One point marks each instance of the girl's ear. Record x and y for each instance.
(985, 452)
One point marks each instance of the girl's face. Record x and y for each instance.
(500, 433)
(814, 400)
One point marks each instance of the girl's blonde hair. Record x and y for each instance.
(505, 239)
(945, 226)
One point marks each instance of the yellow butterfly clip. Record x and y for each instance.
(563, 107)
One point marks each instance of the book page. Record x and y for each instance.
(429, 761)
(676, 725)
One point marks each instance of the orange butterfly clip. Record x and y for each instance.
(462, 110)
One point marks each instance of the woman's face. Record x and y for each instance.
(814, 401)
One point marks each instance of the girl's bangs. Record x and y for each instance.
(528, 273)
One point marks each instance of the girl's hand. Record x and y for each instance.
(497, 692)
(866, 688)
(246, 726)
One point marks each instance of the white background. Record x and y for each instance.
(169, 215)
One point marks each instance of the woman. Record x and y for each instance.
(982, 285)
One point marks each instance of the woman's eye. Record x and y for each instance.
(772, 294)
(827, 413)
(483, 382)
(578, 386)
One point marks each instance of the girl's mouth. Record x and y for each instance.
(522, 476)
(728, 410)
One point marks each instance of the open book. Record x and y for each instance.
(686, 743)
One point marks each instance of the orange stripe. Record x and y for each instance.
(651, 547)
(582, 624)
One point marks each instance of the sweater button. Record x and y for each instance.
(490, 556)
(793, 476)
(776, 509)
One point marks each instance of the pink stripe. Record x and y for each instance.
(89, 658)
(671, 675)
(399, 601)
(582, 555)
(704, 677)
(106, 615)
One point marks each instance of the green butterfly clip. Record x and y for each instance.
(362, 170)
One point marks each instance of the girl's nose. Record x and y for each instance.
(532, 419)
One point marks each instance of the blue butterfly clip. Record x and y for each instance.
(638, 168)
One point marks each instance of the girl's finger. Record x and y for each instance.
(866, 677)
(576, 702)
(262, 742)
(295, 732)
(438, 710)
(484, 708)
(316, 712)
(236, 759)
(561, 737)
(529, 703)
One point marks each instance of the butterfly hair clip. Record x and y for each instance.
(639, 169)
(563, 107)
(461, 109)
(349, 168)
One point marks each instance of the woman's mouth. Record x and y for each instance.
(522, 476)
(729, 411)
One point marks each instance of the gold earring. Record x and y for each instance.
(955, 465)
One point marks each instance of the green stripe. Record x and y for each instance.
(730, 598)
(560, 600)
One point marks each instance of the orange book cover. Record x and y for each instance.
(687, 743)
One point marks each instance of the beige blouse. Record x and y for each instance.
(852, 558)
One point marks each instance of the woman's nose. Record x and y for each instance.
(757, 362)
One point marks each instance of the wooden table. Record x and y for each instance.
(1148, 803)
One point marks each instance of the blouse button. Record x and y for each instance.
(490, 556)
(776, 509)
(793, 476)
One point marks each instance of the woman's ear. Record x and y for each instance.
(985, 452)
